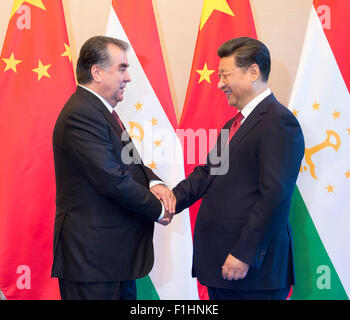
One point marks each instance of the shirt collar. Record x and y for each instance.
(104, 101)
(253, 103)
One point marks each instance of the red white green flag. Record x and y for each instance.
(148, 113)
(320, 100)
(36, 79)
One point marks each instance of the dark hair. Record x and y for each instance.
(94, 51)
(248, 51)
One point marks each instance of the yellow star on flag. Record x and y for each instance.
(347, 174)
(154, 122)
(18, 3)
(41, 70)
(210, 5)
(138, 106)
(67, 53)
(330, 188)
(205, 74)
(316, 106)
(348, 131)
(152, 165)
(158, 143)
(11, 63)
(336, 114)
(295, 112)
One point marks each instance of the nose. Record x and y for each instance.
(221, 84)
(127, 77)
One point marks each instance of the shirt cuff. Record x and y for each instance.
(162, 213)
(153, 183)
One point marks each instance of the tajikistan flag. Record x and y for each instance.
(321, 207)
(147, 112)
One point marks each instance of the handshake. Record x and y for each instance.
(166, 196)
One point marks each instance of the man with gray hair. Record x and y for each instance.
(105, 209)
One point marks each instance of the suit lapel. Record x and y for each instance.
(98, 104)
(109, 117)
(252, 120)
(126, 138)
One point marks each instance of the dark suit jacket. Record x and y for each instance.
(245, 211)
(105, 212)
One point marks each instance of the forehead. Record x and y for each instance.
(118, 56)
(227, 63)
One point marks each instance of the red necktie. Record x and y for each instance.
(235, 125)
(115, 115)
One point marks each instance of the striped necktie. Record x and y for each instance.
(235, 125)
(115, 115)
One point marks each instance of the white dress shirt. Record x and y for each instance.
(253, 103)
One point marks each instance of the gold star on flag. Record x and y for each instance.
(67, 53)
(41, 70)
(152, 165)
(154, 122)
(347, 174)
(316, 106)
(210, 5)
(11, 63)
(330, 188)
(295, 112)
(158, 143)
(348, 131)
(336, 114)
(18, 3)
(138, 106)
(205, 74)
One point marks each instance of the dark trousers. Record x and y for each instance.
(227, 294)
(118, 290)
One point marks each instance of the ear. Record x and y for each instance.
(254, 72)
(96, 73)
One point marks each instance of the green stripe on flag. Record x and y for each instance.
(145, 289)
(316, 278)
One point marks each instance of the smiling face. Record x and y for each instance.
(112, 79)
(237, 82)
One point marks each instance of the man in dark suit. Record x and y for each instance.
(242, 237)
(105, 210)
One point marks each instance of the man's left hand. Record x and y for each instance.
(234, 269)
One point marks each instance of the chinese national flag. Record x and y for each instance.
(205, 105)
(36, 79)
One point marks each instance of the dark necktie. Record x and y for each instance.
(116, 117)
(235, 125)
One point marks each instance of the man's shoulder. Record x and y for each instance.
(79, 112)
(277, 109)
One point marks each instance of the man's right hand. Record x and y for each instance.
(167, 197)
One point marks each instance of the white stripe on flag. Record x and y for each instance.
(171, 274)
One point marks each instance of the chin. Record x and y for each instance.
(118, 99)
(231, 103)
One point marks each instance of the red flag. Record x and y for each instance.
(334, 17)
(205, 106)
(36, 79)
